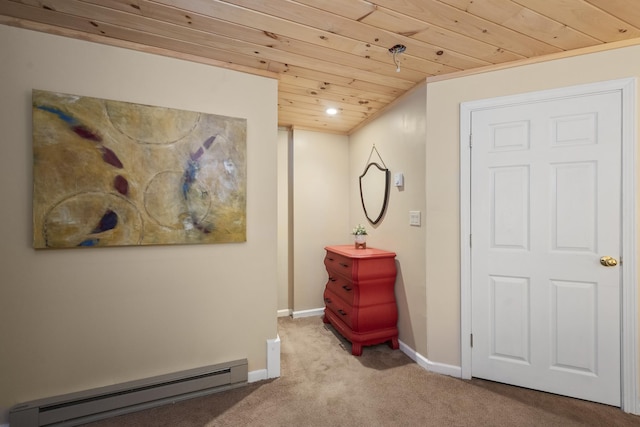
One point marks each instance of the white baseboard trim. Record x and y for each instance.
(255, 376)
(281, 313)
(273, 363)
(439, 368)
(273, 357)
(308, 313)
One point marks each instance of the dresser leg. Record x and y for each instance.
(324, 319)
(356, 349)
(394, 343)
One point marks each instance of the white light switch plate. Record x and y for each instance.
(414, 218)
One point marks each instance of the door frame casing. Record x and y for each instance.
(629, 294)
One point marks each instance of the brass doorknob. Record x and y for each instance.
(607, 261)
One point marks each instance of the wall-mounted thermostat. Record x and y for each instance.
(398, 179)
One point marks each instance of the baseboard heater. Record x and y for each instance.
(105, 402)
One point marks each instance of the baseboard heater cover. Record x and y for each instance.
(105, 402)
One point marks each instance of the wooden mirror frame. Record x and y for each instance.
(386, 193)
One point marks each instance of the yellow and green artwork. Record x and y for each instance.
(111, 173)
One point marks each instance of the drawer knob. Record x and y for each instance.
(342, 312)
(332, 279)
(347, 288)
(344, 265)
(327, 300)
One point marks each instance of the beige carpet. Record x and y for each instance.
(322, 384)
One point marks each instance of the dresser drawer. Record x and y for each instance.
(338, 264)
(342, 288)
(338, 306)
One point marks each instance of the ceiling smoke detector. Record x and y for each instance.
(395, 51)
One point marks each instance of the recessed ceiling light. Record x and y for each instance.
(331, 111)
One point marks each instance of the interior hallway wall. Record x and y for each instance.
(320, 213)
(76, 319)
(399, 137)
(285, 223)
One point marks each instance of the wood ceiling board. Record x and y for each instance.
(465, 23)
(309, 120)
(352, 9)
(418, 30)
(277, 33)
(337, 51)
(620, 9)
(309, 117)
(326, 21)
(331, 79)
(438, 36)
(322, 98)
(585, 17)
(350, 109)
(107, 29)
(270, 50)
(525, 21)
(130, 6)
(330, 99)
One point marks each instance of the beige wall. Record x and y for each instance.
(321, 210)
(399, 137)
(77, 319)
(442, 167)
(285, 226)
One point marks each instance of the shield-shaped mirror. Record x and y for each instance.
(374, 191)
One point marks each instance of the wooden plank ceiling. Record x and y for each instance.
(335, 53)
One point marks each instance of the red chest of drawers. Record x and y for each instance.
(359, 296)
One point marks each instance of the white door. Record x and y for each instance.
(545, 207)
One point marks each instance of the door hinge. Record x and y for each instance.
(470, 241)
(471, 340)
(470, 141)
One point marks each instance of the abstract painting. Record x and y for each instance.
(112, 173)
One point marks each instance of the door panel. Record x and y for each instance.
(574, 208)
(545, 206)
(510, 319)
(510, 207)
(573, 309)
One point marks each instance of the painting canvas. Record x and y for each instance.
(111, 173)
